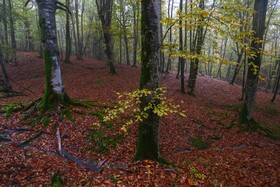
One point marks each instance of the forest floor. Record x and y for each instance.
(206, 147)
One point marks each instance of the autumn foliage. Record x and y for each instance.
(227, 156)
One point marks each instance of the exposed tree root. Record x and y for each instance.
(37, 112)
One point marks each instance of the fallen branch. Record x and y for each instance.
(24, 143)
(64, 153)
(80, 162)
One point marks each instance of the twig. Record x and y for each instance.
(58, 140)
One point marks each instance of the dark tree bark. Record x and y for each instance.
(6, 86)
(246, 115)
(237, 67)
(104, 8)
(196, 48)
(54, 91)
(148, 131)
(67, 36)
(5, 23)
(277, 82)
(12, 30)
(181, 59)
(135, 31)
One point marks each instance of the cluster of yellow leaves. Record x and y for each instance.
(129, 102)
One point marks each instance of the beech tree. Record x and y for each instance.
(196, 43)
(5, 85)
(54, 91)
(104, 8)
(254, 61)
(148, 131)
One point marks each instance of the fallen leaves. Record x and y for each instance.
(233, 159)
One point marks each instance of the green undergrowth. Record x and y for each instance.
(269, 108)
(234, 107)
(271, 130)
(33, 115)
(104, 135)
(221, 118)
(199, 143)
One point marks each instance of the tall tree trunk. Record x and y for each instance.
(135, 31)
(237, 67)
(74, 34)
(67, 36)
(243, 78)
(277, 82)
(6, 86)
(124, 29)
(12, 30)
(181, 59)
(223, 54)
(170, 15)
(104, 8)
(80, 47)
(198, 47)
(29, 44)
(54, 91)
(5, 23)
(246, 115)
(148, 131)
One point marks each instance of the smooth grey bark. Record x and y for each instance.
(170, 15)
(148, 131)
(124, 29)
(79, 44)
(246, 115)
(104, 8)
(54, 90)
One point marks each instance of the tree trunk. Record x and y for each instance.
(277, 82)
(182, 61)
(80, 47)
(6, 86)
(223, 53)
(104, 8)
(12, 30)
(135, 31)
(196, 48)
(67, 36)
(170, 15)
(28, 38)
(126, 47)
(237, 67)
(246, 115)
(5, 23)
(148, 131)
(54, 91)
